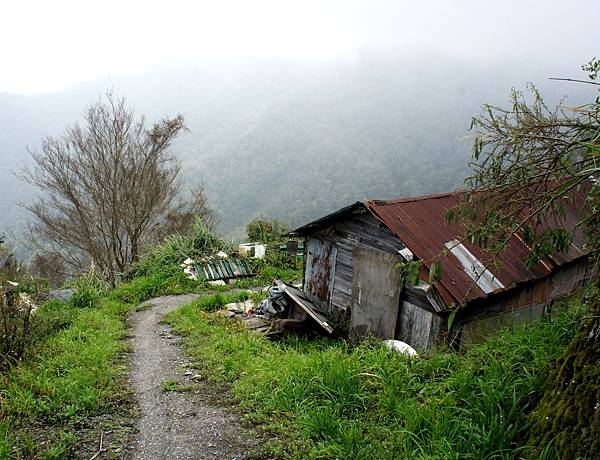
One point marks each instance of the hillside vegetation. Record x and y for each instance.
(276, 138)
(314, 397)
(326, 400)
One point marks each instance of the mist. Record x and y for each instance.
(292, 109)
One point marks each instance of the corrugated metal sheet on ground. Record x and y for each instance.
(223, 269)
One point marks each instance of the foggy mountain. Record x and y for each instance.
(289, 139)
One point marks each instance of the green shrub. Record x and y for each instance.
(164, 259)
(266, 230)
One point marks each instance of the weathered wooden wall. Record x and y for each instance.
(375, 294)
(419, 325)
(319, 270)
(359, 230)
(522, 304)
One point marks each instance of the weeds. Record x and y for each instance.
(17, 323)
(164, 259)
(368, 402)
(170, 385)
(88, 289)
(76, 372)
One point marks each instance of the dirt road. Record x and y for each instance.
(173, 424)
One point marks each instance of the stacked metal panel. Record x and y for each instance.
(222, 269)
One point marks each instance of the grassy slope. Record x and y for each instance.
(333, 402)
(74, 373)
(77, 372)
(329, 401)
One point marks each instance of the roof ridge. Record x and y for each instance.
(416, 198)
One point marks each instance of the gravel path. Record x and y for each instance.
(177, 425)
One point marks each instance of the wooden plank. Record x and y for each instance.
(418, 327)
(418, 297)
(302, 302)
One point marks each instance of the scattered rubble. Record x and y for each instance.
(285, 308)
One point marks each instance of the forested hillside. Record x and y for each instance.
(286, 139)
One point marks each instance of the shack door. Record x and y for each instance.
(319, 272)
(375, 294)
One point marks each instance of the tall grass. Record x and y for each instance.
(164, 259)
(162, 263)
(368, 402)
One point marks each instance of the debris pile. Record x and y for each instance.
(275, 306)
(285, 308)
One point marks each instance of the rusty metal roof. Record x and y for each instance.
(421, 224)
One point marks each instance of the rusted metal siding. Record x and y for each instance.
(421, 224)
(319, 271)
(223, 269)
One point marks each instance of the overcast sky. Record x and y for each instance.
(50, 45)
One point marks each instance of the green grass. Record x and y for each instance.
(77, 365)
(74, 372)
(336, 402)
(164, 258)
(170, 385)
(163, 263)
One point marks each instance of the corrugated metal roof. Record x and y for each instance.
(421, 224)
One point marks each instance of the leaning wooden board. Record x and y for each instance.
(298, 297)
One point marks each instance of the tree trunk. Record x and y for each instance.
(567, 419)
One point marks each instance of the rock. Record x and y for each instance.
(226, 313)
(62, 294)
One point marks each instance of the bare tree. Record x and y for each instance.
(107, 187)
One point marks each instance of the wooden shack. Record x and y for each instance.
(351, 274)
